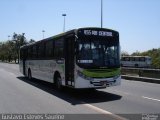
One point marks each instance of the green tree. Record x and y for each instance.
(31, 41)
(3, 52)
(124, 53)
(19, 40)
(9, 50)
(137, 53)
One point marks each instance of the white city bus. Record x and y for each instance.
(136, 61)
(80, 58)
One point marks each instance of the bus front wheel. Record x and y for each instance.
(29, 74)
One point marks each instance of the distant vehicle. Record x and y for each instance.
(80, 58)
(136, 61)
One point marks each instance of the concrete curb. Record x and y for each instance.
(143, 79)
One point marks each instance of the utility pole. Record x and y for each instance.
(43, 33)
(101, 13)
(64, 25)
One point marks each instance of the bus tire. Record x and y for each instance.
(58, 82)
(29, 74)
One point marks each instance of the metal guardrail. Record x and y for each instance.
(141, 74)
(140, 68)
(143, 79)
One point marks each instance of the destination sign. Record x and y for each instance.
(97, 33)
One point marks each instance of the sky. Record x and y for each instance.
(137, 21)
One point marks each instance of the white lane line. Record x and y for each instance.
(126, 93)
(104, 112)
(151, 98)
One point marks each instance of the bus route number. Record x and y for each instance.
(97, 33)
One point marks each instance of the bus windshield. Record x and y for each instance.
(98, 53)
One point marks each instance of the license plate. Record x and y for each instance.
(103, 82)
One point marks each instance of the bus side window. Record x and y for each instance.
(123, 59)
(132, 59)
(41, 50)
(136, 59)
(49, 49)
(144, 59)
(127, 59)
(34, 55)
(37, 47)
(58, 50)
(30, 53)
(23, 54)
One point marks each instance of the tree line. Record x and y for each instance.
(153, 53)
(9, 50)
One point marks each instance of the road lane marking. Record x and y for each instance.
(117, 117)
(126, 93)
(151, 98)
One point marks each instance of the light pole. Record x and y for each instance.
(43, 31)
(64, 15)
(101, 13)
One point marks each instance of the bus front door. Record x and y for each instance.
(69, 60)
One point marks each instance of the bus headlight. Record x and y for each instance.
(84, 76)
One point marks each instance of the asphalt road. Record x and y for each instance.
(19, 95)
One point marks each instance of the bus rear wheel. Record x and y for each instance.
(29, 74)
(58, 82)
